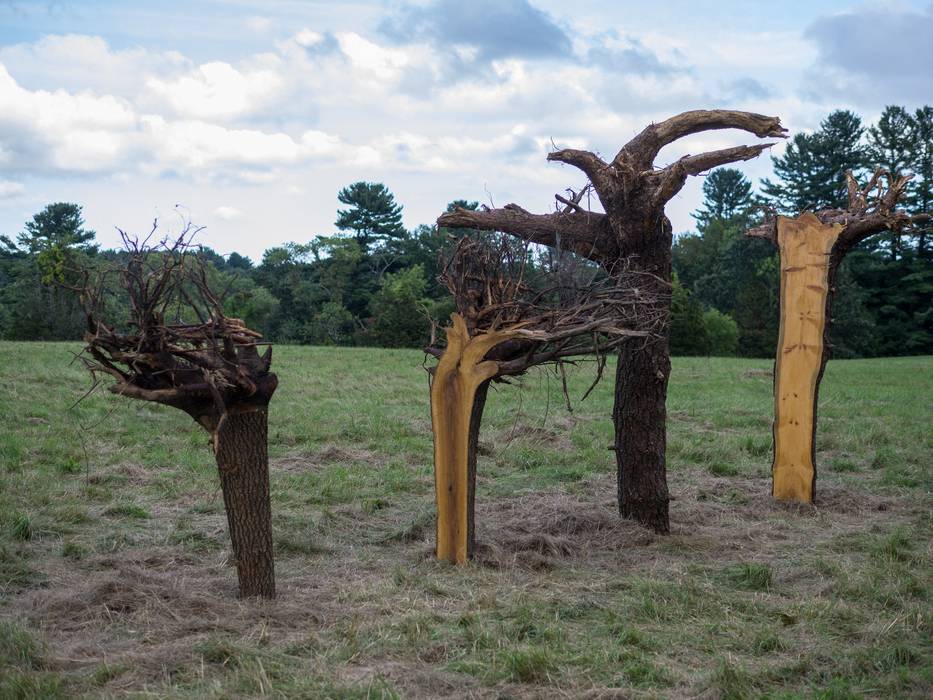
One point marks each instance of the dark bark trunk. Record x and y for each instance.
(240, 446)
(633, 194)
(640, 414)
(476, 419)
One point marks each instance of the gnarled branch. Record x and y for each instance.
(594, 167)
(583, 232)
(644, 148)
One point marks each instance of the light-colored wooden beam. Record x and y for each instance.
(458, 376)
(805, 245)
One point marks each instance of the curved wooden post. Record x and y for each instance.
(807, 273)
(458, 392)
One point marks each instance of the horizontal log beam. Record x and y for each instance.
(585, 233)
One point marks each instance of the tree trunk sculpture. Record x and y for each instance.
(458, 396)
(811, 248)
(209, 368)
(502, 328)
(633, 235)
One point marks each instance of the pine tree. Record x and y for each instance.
(60, 224)
(921, 188)
(52, 246)
(812, 170)
(892, 145)
(727, 196)
(892, 142)
(373, 214)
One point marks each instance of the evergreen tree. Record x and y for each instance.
(892, 145)
(812, 170)
(372, 214)
(59, 224)
(727, 212)
(239, 262)
(892, 142)
(921, 187)
(727, 196)
(52, 246)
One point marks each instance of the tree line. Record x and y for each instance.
(373, 282)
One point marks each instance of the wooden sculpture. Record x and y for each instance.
(811, 247)
(177, 348)
(502, 327)
(632, 233)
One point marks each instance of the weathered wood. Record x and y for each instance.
(805, 246)
(212, 370)
(811, 247)
(633, 236)
(458, 393)
(504, 326)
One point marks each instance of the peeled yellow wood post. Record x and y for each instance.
(806, 246)
(459, 376)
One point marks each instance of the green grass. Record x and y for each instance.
(112, 527)
(750, 576)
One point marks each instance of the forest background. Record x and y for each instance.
(373, 282)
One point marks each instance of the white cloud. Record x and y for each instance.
(307, 38)
(370, 58)
(225, 213)
(77, 63)
(61, 132)
(42, 130)
(217, 90)
(277, 120)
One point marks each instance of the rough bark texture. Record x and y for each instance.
(811, 248)
(632, 236)
(210, 369)
(243, 462)
(476, 420)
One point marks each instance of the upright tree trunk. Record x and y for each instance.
(640, 413)
(639, 416)
(458, 396)
(811, 248)
(240, 447)
(633, 235)
(809, 260)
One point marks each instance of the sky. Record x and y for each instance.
(248, 116)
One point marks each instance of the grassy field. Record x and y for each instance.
(113, 549)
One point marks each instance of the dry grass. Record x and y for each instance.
(155, 616)
(746, 598)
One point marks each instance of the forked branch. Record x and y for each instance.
(644, 148)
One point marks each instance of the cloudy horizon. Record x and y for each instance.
(249, 116)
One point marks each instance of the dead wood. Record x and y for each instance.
(631, 235)
(503, 326)
(178, 348)
(811, 248)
